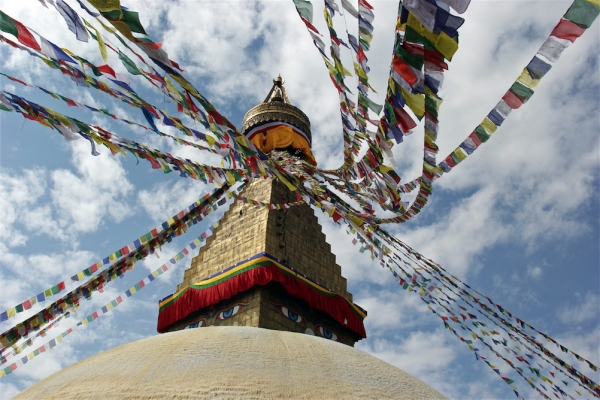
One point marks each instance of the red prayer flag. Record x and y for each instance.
(107, 70)
(403, 69)
(450, 162)
(403, 120)
(512, 100)
(568, 30)
(193, 106)
(335, 39)
(25, 37)
(360, 54)
(309, 25)
(475, 139)
(336, 216)
(17, 80)
(364, 3)
(337, 86)
(434, 57)
(71, 103)
(173, 63)
(414, 48)
(27, 305)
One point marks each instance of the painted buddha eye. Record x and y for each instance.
(230, 312)
(327, 334)
(197, 324)
(292, 315)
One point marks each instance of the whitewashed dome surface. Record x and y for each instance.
(231, 363)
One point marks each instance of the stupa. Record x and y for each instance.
(262, 312)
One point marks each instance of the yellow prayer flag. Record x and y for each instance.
(526, 79)
(459, 153)
(488, 125)
(185, 84)
(11, 312)
(360, 71)
(416, 102)
(112, 257)
(596, 2)
(99, 39)
(230, 178)
(442, 42)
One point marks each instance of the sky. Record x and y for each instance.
(519, 220)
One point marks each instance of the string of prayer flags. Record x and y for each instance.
(107, 112)
(455, 303)
(119, 268)
(576, 20)
(96, 135)
(108, 306)
(191, 213)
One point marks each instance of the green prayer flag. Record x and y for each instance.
(129, 64)
(583, 13)
(305, 9)
(481, 134)
(368, 103)
(7, 25)
(414, 60)
(521, 91)
(132, 19)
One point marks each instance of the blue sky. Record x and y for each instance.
(518, 220)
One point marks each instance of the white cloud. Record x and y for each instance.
(17, 204)
(586, 311)
(164, 200)
(100, 191)
(534, 272)
(8, 391)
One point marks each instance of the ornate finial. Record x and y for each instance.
(279, 81)
(277, 92)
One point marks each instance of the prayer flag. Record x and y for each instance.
(72, 19)
(305, 9)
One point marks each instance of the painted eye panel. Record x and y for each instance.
(327, 334)
(230, 312)
(292, 315)
(197, 324)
